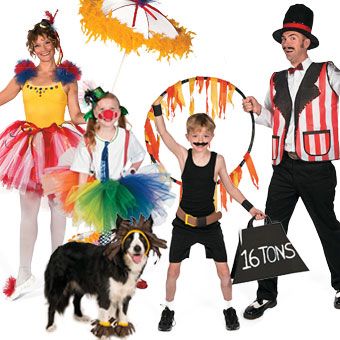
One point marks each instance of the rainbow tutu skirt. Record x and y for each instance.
(97, 203)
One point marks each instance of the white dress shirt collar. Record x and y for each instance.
(306, 63)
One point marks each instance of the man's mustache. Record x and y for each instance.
(201, 144)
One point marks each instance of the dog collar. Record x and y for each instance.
(142, 233)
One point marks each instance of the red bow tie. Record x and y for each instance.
(291, 70)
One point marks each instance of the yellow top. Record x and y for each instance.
(44, 105)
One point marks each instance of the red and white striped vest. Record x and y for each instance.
(315, 112)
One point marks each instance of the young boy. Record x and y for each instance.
(196, 220)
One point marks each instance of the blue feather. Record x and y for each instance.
(24, 70)
(64, 76)
(67, 72)
(144, 2)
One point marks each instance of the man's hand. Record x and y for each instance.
(251, 104)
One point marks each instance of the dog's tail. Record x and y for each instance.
(56, 284)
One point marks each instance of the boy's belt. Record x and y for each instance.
(193, 221)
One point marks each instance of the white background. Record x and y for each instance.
(233, 41)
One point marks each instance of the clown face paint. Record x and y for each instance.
(107, 111)
(108, 115)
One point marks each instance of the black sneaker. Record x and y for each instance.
(231, 319)
(167, 320)
(337, 300)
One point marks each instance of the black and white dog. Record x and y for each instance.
(108, 272)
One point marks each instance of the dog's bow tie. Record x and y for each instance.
(291, 70)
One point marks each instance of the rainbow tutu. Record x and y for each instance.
(26, 151)
(97, 203)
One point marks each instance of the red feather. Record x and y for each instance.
(142, 284)
(50, 17)
(24, 65)
(71, 68)
(9, 286)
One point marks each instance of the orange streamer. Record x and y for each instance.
(192, 100)
(231, 89)
(223, 194)
(222, 103)
(214, 97)
(207, 83)
(251, 168)
(200, 83)
(179, 95)
(153, 143)
(175, 97)
(236, 176)
(171, 97)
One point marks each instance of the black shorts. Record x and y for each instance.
(183, 237)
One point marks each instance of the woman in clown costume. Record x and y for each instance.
(28, 147)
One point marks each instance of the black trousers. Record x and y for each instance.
(315, 183)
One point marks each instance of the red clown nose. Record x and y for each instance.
(108, 115)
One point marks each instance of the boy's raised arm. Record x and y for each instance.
(178, 150)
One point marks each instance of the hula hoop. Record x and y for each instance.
(150, 137)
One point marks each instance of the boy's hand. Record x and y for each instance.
(259, 215)
(158, 100)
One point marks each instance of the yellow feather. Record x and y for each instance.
(96, 25)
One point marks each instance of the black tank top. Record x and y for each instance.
(198, 187)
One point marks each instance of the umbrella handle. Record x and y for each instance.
(118, 72)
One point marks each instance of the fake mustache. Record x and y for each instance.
(201, 144)
(108, 115)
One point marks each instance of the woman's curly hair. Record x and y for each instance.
(44, 29)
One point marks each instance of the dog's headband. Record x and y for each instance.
(142, 233)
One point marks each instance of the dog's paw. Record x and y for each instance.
(122, 330)
(83, 318)
(102, 332)
(51, 328)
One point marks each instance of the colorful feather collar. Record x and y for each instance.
(66, 72)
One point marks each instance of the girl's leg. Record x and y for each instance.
(58, 224)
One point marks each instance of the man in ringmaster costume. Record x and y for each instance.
(301, 107)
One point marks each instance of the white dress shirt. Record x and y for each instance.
(83, 163)
(294, 81)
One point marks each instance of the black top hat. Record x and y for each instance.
(298, 18)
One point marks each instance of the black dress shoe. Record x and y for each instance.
(257, 308)
(337, 300)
